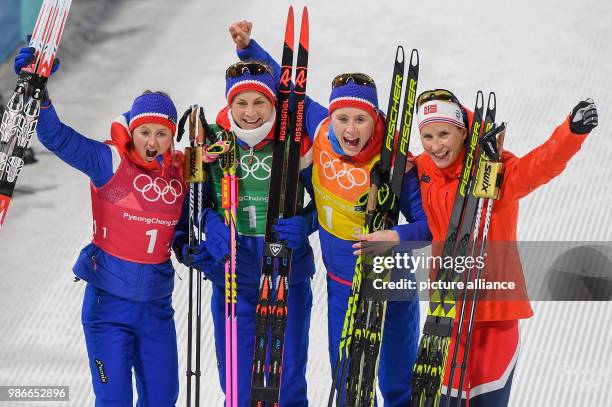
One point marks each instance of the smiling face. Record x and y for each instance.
(443, 142)
(151, 140)
(353, 127)
(251, 109)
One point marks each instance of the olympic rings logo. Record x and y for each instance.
(258, 169)
(153, 190)
(346, 177)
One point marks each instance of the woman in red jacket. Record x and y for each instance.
(443, 124)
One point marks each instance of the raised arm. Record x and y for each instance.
(548, 160)
(91, 157)
(248, 49)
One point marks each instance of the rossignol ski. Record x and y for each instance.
(429, 368)
(23, 108)
(362, 330)
(272, 306)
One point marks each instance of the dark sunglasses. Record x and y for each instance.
(437, 94)
(240, 68)
(355, 77)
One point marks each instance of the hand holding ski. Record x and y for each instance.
(21, 115)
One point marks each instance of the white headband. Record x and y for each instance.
(440, 111)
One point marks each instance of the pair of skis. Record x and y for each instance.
(195, 174)
(272, 305)
(461, 238)
(23, 108)
(362, 330)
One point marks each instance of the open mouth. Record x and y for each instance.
(351, 142)
(151, 153)
(440, 156)
(251, 122)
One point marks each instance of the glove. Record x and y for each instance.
(217, 236)
(25, 56)
(198, 258)
(293, 230)
(584, 117)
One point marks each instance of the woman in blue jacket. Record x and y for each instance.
(137, 191)
(347, 140)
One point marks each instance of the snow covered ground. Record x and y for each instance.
(539, 57)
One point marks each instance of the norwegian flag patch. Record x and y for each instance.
(430, 109)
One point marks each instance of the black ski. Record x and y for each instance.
(363, 326)
(430, 365)
(272, 307)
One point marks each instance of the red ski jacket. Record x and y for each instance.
(522, 175)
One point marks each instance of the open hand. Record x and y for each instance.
(381, 241)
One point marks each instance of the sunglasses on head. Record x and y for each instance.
(356, 78)
(240, 68)
(437, 94)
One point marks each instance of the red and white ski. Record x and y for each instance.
(21, 115)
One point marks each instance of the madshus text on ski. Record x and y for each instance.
(232, 209)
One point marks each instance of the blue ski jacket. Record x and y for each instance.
(126, 279)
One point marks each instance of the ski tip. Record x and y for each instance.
(492, 102)
(290, 14)
(289, 28)
(399, 54)
(479, 99)
(304, 32)
(414, 57)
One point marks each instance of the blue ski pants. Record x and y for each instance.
(122, 335)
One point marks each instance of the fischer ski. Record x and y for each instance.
(362, 330)
(272, 306)
(23, 108)
(432, 355)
